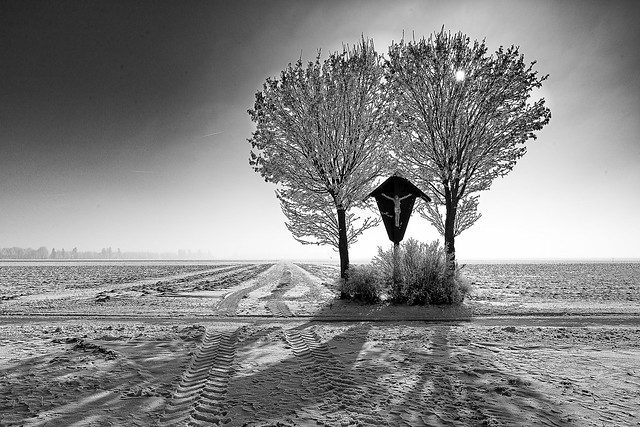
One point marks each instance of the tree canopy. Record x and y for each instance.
(458, 118)
(463, 117)
(321, 134)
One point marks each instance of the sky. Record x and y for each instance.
(124, 124)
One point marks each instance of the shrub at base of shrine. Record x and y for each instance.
(423, 277)
(364, 284)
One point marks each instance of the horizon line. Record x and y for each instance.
(335, 261)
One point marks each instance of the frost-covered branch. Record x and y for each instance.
(322, 133)
(463, 116)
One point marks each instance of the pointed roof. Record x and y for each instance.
(396, 184)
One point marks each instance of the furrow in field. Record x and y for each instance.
(210, 280)
(79, 292)
(323, 279)
(52, 278)
(235, 278)
(324, 272)
(171, 283)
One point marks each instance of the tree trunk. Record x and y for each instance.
(449, 234)
(343, 248)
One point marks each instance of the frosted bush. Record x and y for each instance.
(364, 283)
(422, 275)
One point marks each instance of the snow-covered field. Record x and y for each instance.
(268, 344)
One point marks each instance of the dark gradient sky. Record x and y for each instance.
(123, 123)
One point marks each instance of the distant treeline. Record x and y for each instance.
(43, 253)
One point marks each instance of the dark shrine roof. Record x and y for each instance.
(396, 184)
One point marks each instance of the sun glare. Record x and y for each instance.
(460, 75)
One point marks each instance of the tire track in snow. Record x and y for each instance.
(279, 309)
(199, 397)
(229, 305)
(338, 393)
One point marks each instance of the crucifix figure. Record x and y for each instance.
(396, 206)
(389, 192)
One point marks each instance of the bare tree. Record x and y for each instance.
(321, 131)
(463, 117)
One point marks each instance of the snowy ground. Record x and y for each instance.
(261, 344)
